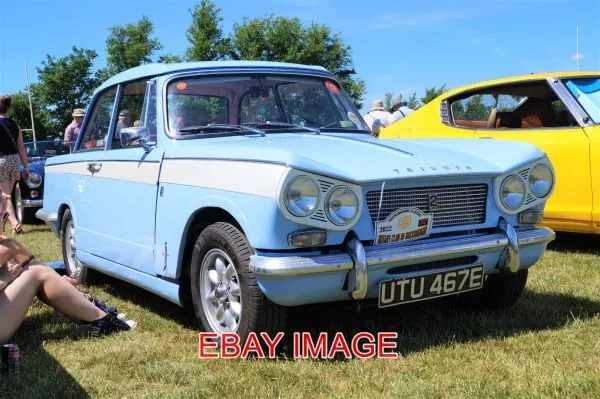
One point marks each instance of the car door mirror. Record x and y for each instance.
(376, 127)
(135, 137)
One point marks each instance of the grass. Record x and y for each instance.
(548, 345)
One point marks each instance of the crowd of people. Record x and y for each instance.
(22, 277)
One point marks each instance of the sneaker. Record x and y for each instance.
(110, 324)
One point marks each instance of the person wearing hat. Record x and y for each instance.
(123, 122)
(72, 131)
(378, 112)
(400, 109)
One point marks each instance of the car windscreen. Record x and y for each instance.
(271, 103)
(587, 93)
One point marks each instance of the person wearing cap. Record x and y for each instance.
(400, 109)
(72, 131)
(123, 122)
(378, 112)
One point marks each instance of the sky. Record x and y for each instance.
(398, 46)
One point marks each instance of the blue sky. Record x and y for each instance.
(398, 46)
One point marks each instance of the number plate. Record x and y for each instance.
(429, 286)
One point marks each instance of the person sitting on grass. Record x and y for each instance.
(22, 278)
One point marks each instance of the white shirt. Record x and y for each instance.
(384, 116)
(401, 113)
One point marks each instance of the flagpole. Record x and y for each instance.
(30, 106)
(577, 46)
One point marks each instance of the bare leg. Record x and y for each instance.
(42, 281)
(6, 188)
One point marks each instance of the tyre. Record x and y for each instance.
(499, 291)
(225, 292)
(24, 215)
(68, 244)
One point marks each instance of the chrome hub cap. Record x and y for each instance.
(220, 292)
(72, 264)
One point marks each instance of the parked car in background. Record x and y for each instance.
(248, 187)
(558, 112)
(28, 194)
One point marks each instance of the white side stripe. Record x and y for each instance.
(244, 177)
(136, 172)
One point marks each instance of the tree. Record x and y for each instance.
(476, 110)
(432, 92)
(387, 101)
(19, 111)
(130, 46)
(205, 34)
(64, 84)
(170, 58)
(287, 40)
(412, 102)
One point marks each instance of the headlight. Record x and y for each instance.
(512, 192)
(540, 180)
(301, 196)
(341, 205)
(34, 180)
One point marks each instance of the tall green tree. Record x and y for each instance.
(130, 46)
(170, 58)
(432, 92)
(205, 34)
(64, 84)
(387, 101)
(476, 110)
(412, 101)
(285, 39)
(19, 111)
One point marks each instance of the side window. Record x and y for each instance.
(473, 111)
(129, 112)
(96, 129)
(259, 105)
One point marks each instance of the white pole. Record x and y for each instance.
(577, 46)
(30, 106)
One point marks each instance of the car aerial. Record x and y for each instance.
(28, 193)
(558, 112)
(248, 187)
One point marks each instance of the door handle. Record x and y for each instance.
(94, 167)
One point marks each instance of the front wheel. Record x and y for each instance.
(500, 291)
(24, 215)
(225, 292)
(75, 269)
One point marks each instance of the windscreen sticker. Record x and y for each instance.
(352, 116)
(181, 86)
(332, 87)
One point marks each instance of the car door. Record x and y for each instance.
(557, 132)
(123, 180)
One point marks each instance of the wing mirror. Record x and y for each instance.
(376, 128)
(135, 137)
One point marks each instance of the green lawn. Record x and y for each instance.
(547, 345)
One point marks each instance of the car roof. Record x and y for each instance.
(521, 78)
(156, 69)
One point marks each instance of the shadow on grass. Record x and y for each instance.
(42, 376)
(419, 326)
(575, 242)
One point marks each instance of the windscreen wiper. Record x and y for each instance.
(280, 125)
(220, 128)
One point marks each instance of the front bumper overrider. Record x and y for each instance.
(359, 260)
(50, 218)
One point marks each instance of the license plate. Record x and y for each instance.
(429, 286)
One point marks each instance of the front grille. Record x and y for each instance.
(457, 205)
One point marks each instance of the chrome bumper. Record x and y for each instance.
(50, 218)
(33, 203)
(360, 259)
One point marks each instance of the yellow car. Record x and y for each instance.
(558, 112)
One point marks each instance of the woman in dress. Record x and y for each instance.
(12, 150)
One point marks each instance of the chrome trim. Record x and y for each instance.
(421, 252)
(32, 203)
(512, 262)
(361, 276)
(50, 218)
(565, 95)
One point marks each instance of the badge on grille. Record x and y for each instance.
(403, 225)
(433, 203)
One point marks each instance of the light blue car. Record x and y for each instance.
(244, 188)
